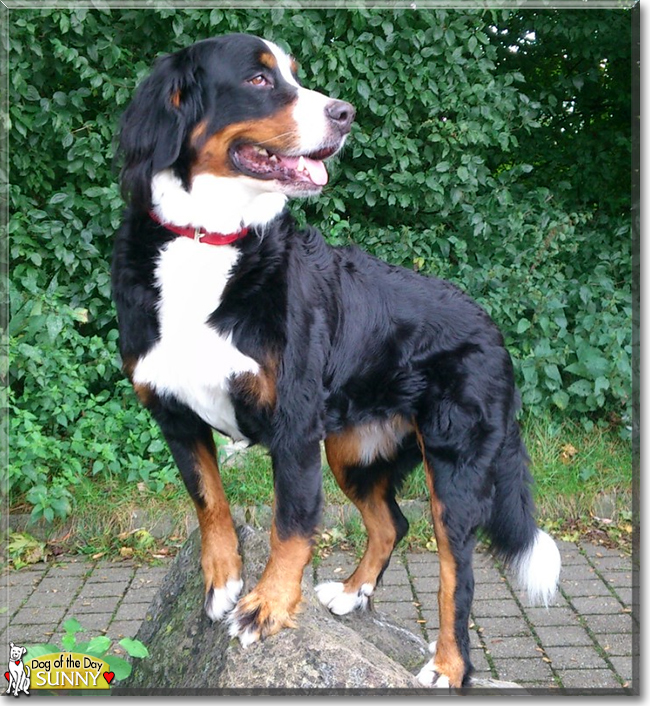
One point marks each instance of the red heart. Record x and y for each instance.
(17, 661)
(109, 676)
(7, 676)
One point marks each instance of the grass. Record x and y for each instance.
(583, 483)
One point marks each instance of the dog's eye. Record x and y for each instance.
(259, 80)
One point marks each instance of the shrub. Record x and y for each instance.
(434, 178)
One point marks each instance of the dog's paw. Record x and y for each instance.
(220, 601)
(332, 595)
(429, 676)
(257, 616)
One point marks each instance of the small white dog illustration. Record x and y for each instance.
(18, 672)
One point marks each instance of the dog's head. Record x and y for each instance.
(16, 652)
(230, 107)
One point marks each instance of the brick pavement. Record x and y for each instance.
(584, 641)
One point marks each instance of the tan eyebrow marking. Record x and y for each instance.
(268, 59)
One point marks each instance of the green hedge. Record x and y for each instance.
(434, 178)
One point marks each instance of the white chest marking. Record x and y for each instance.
(192, 361)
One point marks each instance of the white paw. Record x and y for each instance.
(332, 595)
(247, 636)
(429, 676)
(219, 601)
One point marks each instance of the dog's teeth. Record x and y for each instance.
(273, 158)
(302, 166)
(261, 151)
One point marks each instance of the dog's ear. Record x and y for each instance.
(24, 650)
(11, 645)
(156, 123)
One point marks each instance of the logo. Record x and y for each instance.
(18, 674)
(58, 670)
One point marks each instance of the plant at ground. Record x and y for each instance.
(95, 647)
(22, 550)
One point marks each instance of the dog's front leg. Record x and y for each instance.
(273, 603)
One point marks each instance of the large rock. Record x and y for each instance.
(365, 651)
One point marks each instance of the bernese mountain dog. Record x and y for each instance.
(232, 318)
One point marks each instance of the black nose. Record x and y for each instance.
(342, 114)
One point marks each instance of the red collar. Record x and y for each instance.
(200, 234)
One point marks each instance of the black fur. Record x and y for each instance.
(355, 340)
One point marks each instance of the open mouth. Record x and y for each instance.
(304, 171)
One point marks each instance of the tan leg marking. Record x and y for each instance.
(220, 558)
(448, 659)
(343, 450)
(274, 602)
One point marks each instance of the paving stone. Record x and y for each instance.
(620, 622)
(131, 611)
(551, 616)
(142, 595)
(105, 604)
(61, 582)
(15, 600)
(53, 597)
(623, 667)
(612, 563)
(23, 580)
(119, 629)
(93, 623)
(562, 636)
(431, 618)
(504, 627)
(150, 576)
(73, 568)
(569, 553)
(103, 590)
(523, 670)
(110, 575)
(48, 616)
(394, 593)
(625, 594)
(402, 611)
(421, 557)
(590, 679)
(488, 574)
(575, 658)
(395, 577)
(587, 588)
(496, 609)
(28, 635)
(426, 586)
(620, 644)
(621, 578)
(589, 605)
(492, 592)
(505, 647)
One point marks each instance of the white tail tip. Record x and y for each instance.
(538, 569)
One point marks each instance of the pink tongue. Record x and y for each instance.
(315, 168)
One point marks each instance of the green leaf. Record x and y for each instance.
(73, 626)
(560, 399)
(119, 666)
(134, 648)
(40, 650)
(98, 645)
(69, 642)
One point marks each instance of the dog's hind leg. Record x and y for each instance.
(460, 489)
(371, 487)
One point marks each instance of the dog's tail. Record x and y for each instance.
(515, 537)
